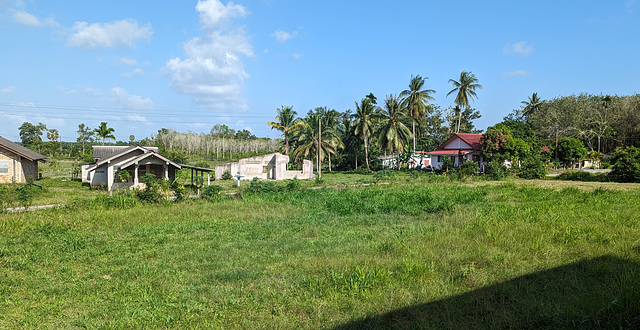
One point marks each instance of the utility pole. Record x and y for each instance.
(319, 146)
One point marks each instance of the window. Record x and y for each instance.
(439, 159)
(4, 166)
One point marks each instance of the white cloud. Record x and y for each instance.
(121, 98)
(8, 90)
(213, 13)
(132, 74)
(137, 118)
(297, 56)
(123, 34)
(128, 61)
(518, 48)
(516, 73)
(283, 36)
(25, 18)
(212, 71)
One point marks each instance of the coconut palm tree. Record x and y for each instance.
(105, 132)
(315, 142)
(466, 90)
(286, 122)
(393, 133)
(365, 113)
(531, 106)
(416, 100)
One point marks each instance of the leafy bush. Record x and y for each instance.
(386, 174)
(261, 186)
(293, 184)
(150, 193)
(179, 190)
(447, 164)
(496, 170)
(123, 175)
(583, 176)
(227, 175)
(27, 192)
(212, 192)
(362, 170)
(202, 164)
(468, 169)
(533, 168)
(626, 165)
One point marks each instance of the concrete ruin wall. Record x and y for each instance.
(267, 167)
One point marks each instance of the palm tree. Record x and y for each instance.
(330, 129)
(105, 132)
(393, 133)
(531, 106)
(364, 123)
(466, 90)
(286, 122)
(311, 141)
(416, 100)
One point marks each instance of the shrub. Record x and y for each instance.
(227, 175)
(626, 165)
(212, 192)
(260, 186)
(468, 169)
(123, 175)
(27, 192)
(150, 193)
(496, 170)
(179, 190)
(386, 174)
(293, 184)
(362, 170)
(533, 168)
(582, 176)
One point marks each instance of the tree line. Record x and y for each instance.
(401, 124)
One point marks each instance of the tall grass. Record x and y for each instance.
(324, 258)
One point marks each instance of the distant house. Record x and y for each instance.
(418, 160)
(268, 167)
(136, 160)
(460, 147)
(17, 163)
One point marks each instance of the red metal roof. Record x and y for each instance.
(473, 140)
(449, 151)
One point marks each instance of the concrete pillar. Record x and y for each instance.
(136, 178)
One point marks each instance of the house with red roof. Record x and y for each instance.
(460, 147)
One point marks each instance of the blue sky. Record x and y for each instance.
(187, 65)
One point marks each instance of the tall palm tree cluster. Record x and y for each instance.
(350, 138)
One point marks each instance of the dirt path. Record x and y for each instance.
(33, 208)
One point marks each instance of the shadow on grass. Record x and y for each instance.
(598, 293)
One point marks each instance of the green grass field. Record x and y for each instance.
(419, 252)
